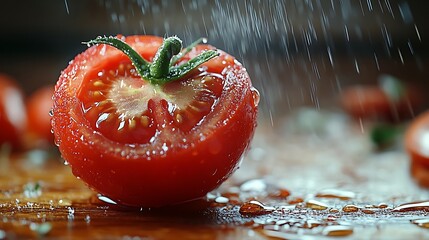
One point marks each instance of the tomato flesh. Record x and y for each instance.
(152, 145)
(119, 99)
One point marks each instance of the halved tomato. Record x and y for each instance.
(149, 145)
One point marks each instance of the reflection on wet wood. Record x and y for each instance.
(342, 191)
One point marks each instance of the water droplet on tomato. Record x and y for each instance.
(66, 163)
(51, 112)
(164, 147)
(171, 107)
(57, 141)
(103, 117)
(123, 153)
(105, 199)
(256, 96)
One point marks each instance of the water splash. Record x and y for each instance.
(297, 52)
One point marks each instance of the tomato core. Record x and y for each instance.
(124, 108)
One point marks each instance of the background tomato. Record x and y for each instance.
(417, 146)
(12, 112)
(39, 127)
(152, 145)
(391, 100)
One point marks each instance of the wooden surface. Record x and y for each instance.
(313, 184)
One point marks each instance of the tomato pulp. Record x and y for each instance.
(151, 145)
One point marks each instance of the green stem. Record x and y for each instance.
(177, 57)
(162, 69)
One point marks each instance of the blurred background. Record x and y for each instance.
(298, 53)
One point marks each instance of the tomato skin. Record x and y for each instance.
(171, 169)
(13, 118)
(371, 102)
(39, 122)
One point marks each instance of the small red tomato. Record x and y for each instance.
(12, 112)
(39, 122)
(390, 100)
(163, 128)
(420, 173)
(417, 146)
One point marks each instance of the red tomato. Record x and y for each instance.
(371, 102)
(152, 145)
(420, 173)
(12, 112)
(417, 140)
(39, 122)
